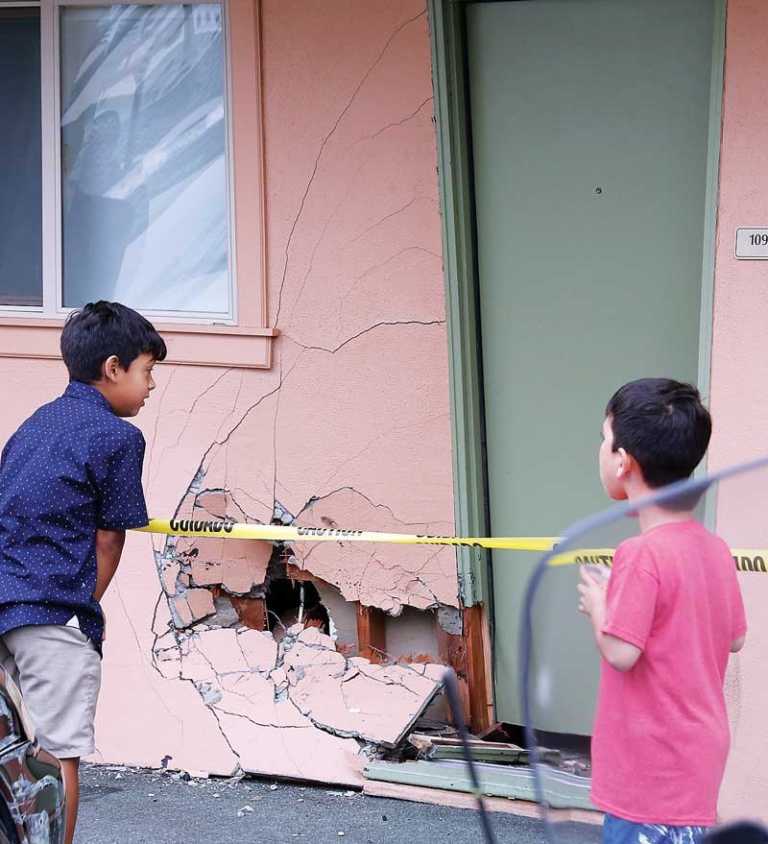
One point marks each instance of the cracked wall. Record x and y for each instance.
(350, 427)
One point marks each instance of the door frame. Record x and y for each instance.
(447, 24)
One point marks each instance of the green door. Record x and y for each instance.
(590, 122)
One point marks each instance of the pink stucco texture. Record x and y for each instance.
(351, 424)
(739, 399)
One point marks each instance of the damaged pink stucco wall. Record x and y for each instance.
(350, 426)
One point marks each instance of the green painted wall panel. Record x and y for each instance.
(590, 125)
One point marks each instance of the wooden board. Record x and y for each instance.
(459, 800)
(571, 792)
(371, 634)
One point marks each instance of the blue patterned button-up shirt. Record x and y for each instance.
(72, 467)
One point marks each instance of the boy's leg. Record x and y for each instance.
(618, 831)
(70, 768)
(59, 673)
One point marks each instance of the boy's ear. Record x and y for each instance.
(624, 463)
(111, 368)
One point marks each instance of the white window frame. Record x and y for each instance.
(52, 220)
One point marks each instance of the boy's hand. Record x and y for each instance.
(592, 591)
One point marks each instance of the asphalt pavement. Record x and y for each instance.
(130, 805)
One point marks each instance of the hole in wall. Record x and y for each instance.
(292, 602)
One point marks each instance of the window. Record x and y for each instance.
(121, 167)
(21, 270)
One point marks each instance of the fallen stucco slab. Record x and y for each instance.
(353, 697)
(298, 709)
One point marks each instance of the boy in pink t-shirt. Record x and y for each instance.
(665, 625)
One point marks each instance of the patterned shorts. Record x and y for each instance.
(618, 831)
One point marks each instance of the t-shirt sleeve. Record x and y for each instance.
(631, 599)
(121, 504)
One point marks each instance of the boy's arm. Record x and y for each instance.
(109, 547)
(121, 503)
(623, 610)
(617, 653)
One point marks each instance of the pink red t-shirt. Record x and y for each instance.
(661, 733)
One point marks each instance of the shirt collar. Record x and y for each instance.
(85, 392)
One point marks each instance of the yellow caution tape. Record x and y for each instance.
(584, 556)
(751, 559)
(746, 559)
(293, 533)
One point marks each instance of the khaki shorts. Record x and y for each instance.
(58, 671)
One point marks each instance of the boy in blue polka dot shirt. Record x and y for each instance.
(70, 486)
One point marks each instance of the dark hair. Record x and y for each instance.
(102, 329)
(319, 613)
(663, 425)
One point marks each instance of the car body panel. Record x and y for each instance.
(31, 784)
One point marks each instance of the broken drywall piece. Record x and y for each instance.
(166, 657)
(200, 602)
(387, 577)
(238, 565)
(312, 636)
(262, 691)
(191, 605)
(279, 678)
(353, 697)
(436, 673)
(205, 572)
(252, 696)
(247, 695)
(259, 649)
(306, 754)
(193, 665)
(221, 649)
(169, 571)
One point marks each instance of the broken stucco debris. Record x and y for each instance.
(352, 697)
(259, 649)
(206, 577)
(387, 578)
(322, 711)
(238, 565)
(263, 693)
(190, 605)
(294, 701)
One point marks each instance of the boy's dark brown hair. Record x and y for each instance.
(102, 329)
(663, 425)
